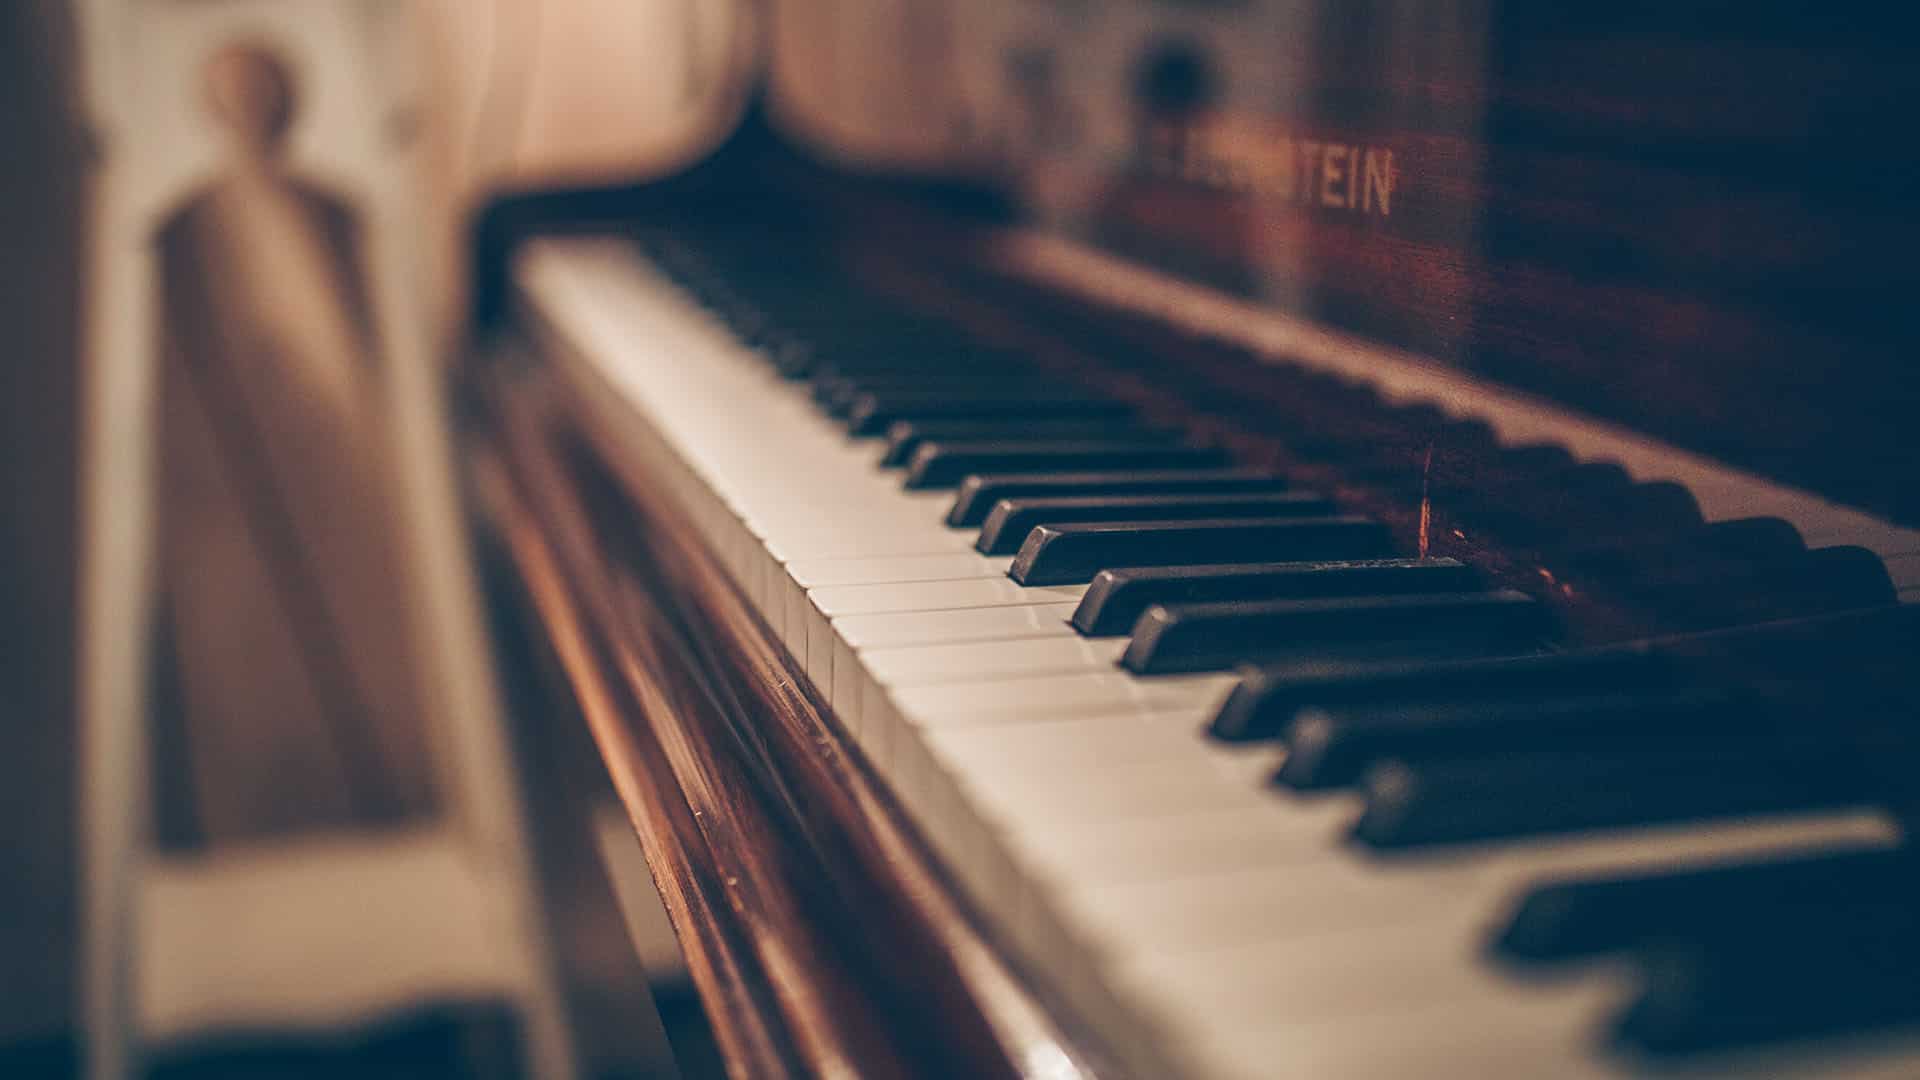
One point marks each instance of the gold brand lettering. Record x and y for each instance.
(1333, 171)
(1248, 156)
(1379, 182)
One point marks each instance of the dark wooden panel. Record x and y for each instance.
(1695, 218)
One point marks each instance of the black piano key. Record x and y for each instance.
(1752, 538)
(871, 413)
(1590, 479)
(1463, 449)
(1824, 579)
(1268, 697)
(837, 394)
(900, 365)
(979, 492)
(1816, 643)
(828, 344)
(906, 436)
(1359, 436)
(1117, 597)
(1332, 746)
(1535, 458)
(1582, 504)
(1070, 554)
(1662, 502)
(1541, 467)
(946, 464)
(1580, 917)
(1209, 637)
(790, 358)
(1474, 457)
(1416, 804)
(1850, 969)
(834, 392)
(1798, 650)
(899, 345)
(1012, 519)
(862, 339)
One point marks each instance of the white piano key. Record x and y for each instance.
(1003, 794)
(820, 606)
(1085, 693)
(804, 576)
(1483, 1029)
(973, 592)
(1094, 742)
(891, 718)
(824, 573)
(853, 543)
(976, 661)
(1535, 1027)
(1189, 843)
(940, 627)
(978, 796)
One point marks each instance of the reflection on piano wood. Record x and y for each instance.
(1021, 661)
(787, 916)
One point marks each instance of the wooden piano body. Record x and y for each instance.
(1399, 254)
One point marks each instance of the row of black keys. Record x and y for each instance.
(1482, 735)
(1445, 758)
(1644, 543)
(1168, 533)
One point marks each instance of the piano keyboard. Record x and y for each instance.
(1255, 792)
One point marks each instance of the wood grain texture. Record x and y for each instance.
(819, 934)
(1692, 218)
(713, 957)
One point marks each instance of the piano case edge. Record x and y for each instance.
(821, 934)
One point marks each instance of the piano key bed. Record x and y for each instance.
(1248, 785)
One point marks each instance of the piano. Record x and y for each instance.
(1268, 539)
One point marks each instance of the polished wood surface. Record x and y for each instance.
(817, 930)
(1692, 218)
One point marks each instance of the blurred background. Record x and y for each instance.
(251, 750)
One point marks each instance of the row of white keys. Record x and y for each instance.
(1139, 883)
(1100, 828)
(847, 622)
(924, 671)
(1326, 936)
(813, 530)
(802, 475)
(1078, 803)
(774, 484)
(1373, 1003)
(1119, 851)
